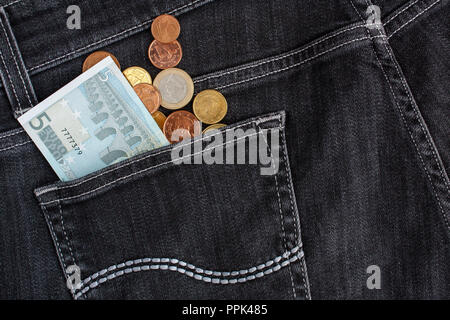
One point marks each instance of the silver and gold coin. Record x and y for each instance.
(210, 106)
(216, 126)
(137, 75)
(176, 88)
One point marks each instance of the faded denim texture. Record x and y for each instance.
(364, 156)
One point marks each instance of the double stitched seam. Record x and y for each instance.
(277, 58)
(293, 65)
(279, 202)
(144, 170)
(414, 18)
(407, 126)
(11, 134)
(113, 36)
(65, 233)
(294, 216)
(57, 244)
(15, 146)
(400, 12)
(10, 80)
(253, 273)
(152, 155)
(15, 62)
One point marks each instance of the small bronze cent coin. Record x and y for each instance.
(96, 57)
(165, 28)
(149, 95)
(181, 125)
(165, 55)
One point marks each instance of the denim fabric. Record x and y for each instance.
(363, 157)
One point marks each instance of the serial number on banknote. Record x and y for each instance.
(71, 141)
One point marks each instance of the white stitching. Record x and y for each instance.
(193, 275)
(400, 12)
(11, 134)
(295, 64)
(111, 37)
(15, 62)
(274, 59)
(185, 265)
(433, 151)
(11, 3)
(279, 205)
(65, 234)
(410, 134)
(144, 170)
(414, 18)
(296, 217)
(146, 157)
(10, 80)
(17, 145)
(58, 248)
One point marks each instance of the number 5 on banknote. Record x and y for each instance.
(93, 122)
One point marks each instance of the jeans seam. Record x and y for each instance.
(279, 204)
(295, 217)
(276, 58)
(446, 222)
(15, 146)
(10, 80)
(293, 65)
(112, 37)
(138, 172)
(266, 119)
(155, 264)
(414, 18)
(15, 62)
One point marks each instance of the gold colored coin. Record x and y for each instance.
(176, 88)
(210, 106)
(216, 126)
(137, 75)
(160, 119)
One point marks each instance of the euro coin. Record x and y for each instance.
(96, 57)
(160, 119)
(165, 55)
(165, 28)
(210, 106)
(216, 126)
(149, 95)
(181, 125)
(176, 88)
(137, 75)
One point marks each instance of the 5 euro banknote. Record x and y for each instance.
(94, 121)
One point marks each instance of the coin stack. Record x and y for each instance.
(172, 88)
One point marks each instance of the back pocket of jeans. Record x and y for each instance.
(172, 224)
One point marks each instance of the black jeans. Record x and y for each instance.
(364, 156)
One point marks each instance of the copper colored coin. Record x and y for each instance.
(96, 57)
(165, 55)
(149, 95)
(181, 125)
(165, 28)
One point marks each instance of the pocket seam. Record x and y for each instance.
(41, 191)
(126, 268)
